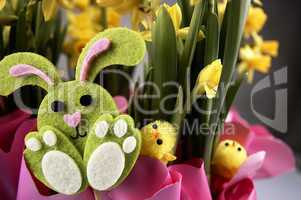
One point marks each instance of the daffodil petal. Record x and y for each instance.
(270, 47)
(2, 4)
(49, 8)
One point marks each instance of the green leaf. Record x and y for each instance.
(164, 60)
(21, 41)
(187, 10)
(190, 43)
(212, 39)
(1, 43)
(177, 117)
(6, 19)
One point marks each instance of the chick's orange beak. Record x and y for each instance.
(155, 135)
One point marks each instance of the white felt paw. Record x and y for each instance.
(129, 144)
(114, 144)
(49, 138)
(33, 144)
(105, 166)
(101, 129)
(61, 172)
(120, 128)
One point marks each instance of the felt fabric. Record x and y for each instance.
(72, 120)
(11, 160)
(95, 50)
(10, 83)
(101, 129)
(105, 166)
(35, 160)
(110, 157)
(70, 94)
(127, 49)
(27, 70)
(120, 128)
(61, 172)
(49, 138)
(33, 144)
(129, 144)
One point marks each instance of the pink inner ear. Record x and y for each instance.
(26, 70)
(98, 48)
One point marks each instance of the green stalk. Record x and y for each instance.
(104, 21)
(236, 19)
(190, 43)
(233, 90)
(211, 54)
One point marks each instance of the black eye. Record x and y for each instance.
(227, 144)
(155, 126)
(159, 142)
(238, 149)
(58, 106)
(86, 100)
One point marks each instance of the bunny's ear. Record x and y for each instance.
(117, 46)
(21, 69)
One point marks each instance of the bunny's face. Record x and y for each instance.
(73, 107)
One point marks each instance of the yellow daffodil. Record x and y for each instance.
(121, 6)
(2, 4)
(209, 78)
(221, 7)
(49, 7)
(176, 17)
(85, 24)
(194, 2)
(109, 3)
(253, 60)
(269, 47)
(255, 21)
(126, 6)
(257, 58)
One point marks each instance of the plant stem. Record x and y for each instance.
(104, 21)
(236, 21)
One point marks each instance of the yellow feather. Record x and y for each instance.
(159, 141)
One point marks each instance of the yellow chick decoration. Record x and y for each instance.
(159, 140)
(228, 157)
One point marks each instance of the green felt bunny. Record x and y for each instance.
(81, 139)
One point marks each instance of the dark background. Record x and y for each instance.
(284, 25)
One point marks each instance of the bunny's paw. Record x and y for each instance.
(112, 149)
(55, 161)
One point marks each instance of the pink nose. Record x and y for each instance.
(72, 120)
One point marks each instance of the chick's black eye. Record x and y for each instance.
(155, 126)
(238, 149)
(227, 144)
(58, 106)
(159, 142)
(86, 100)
